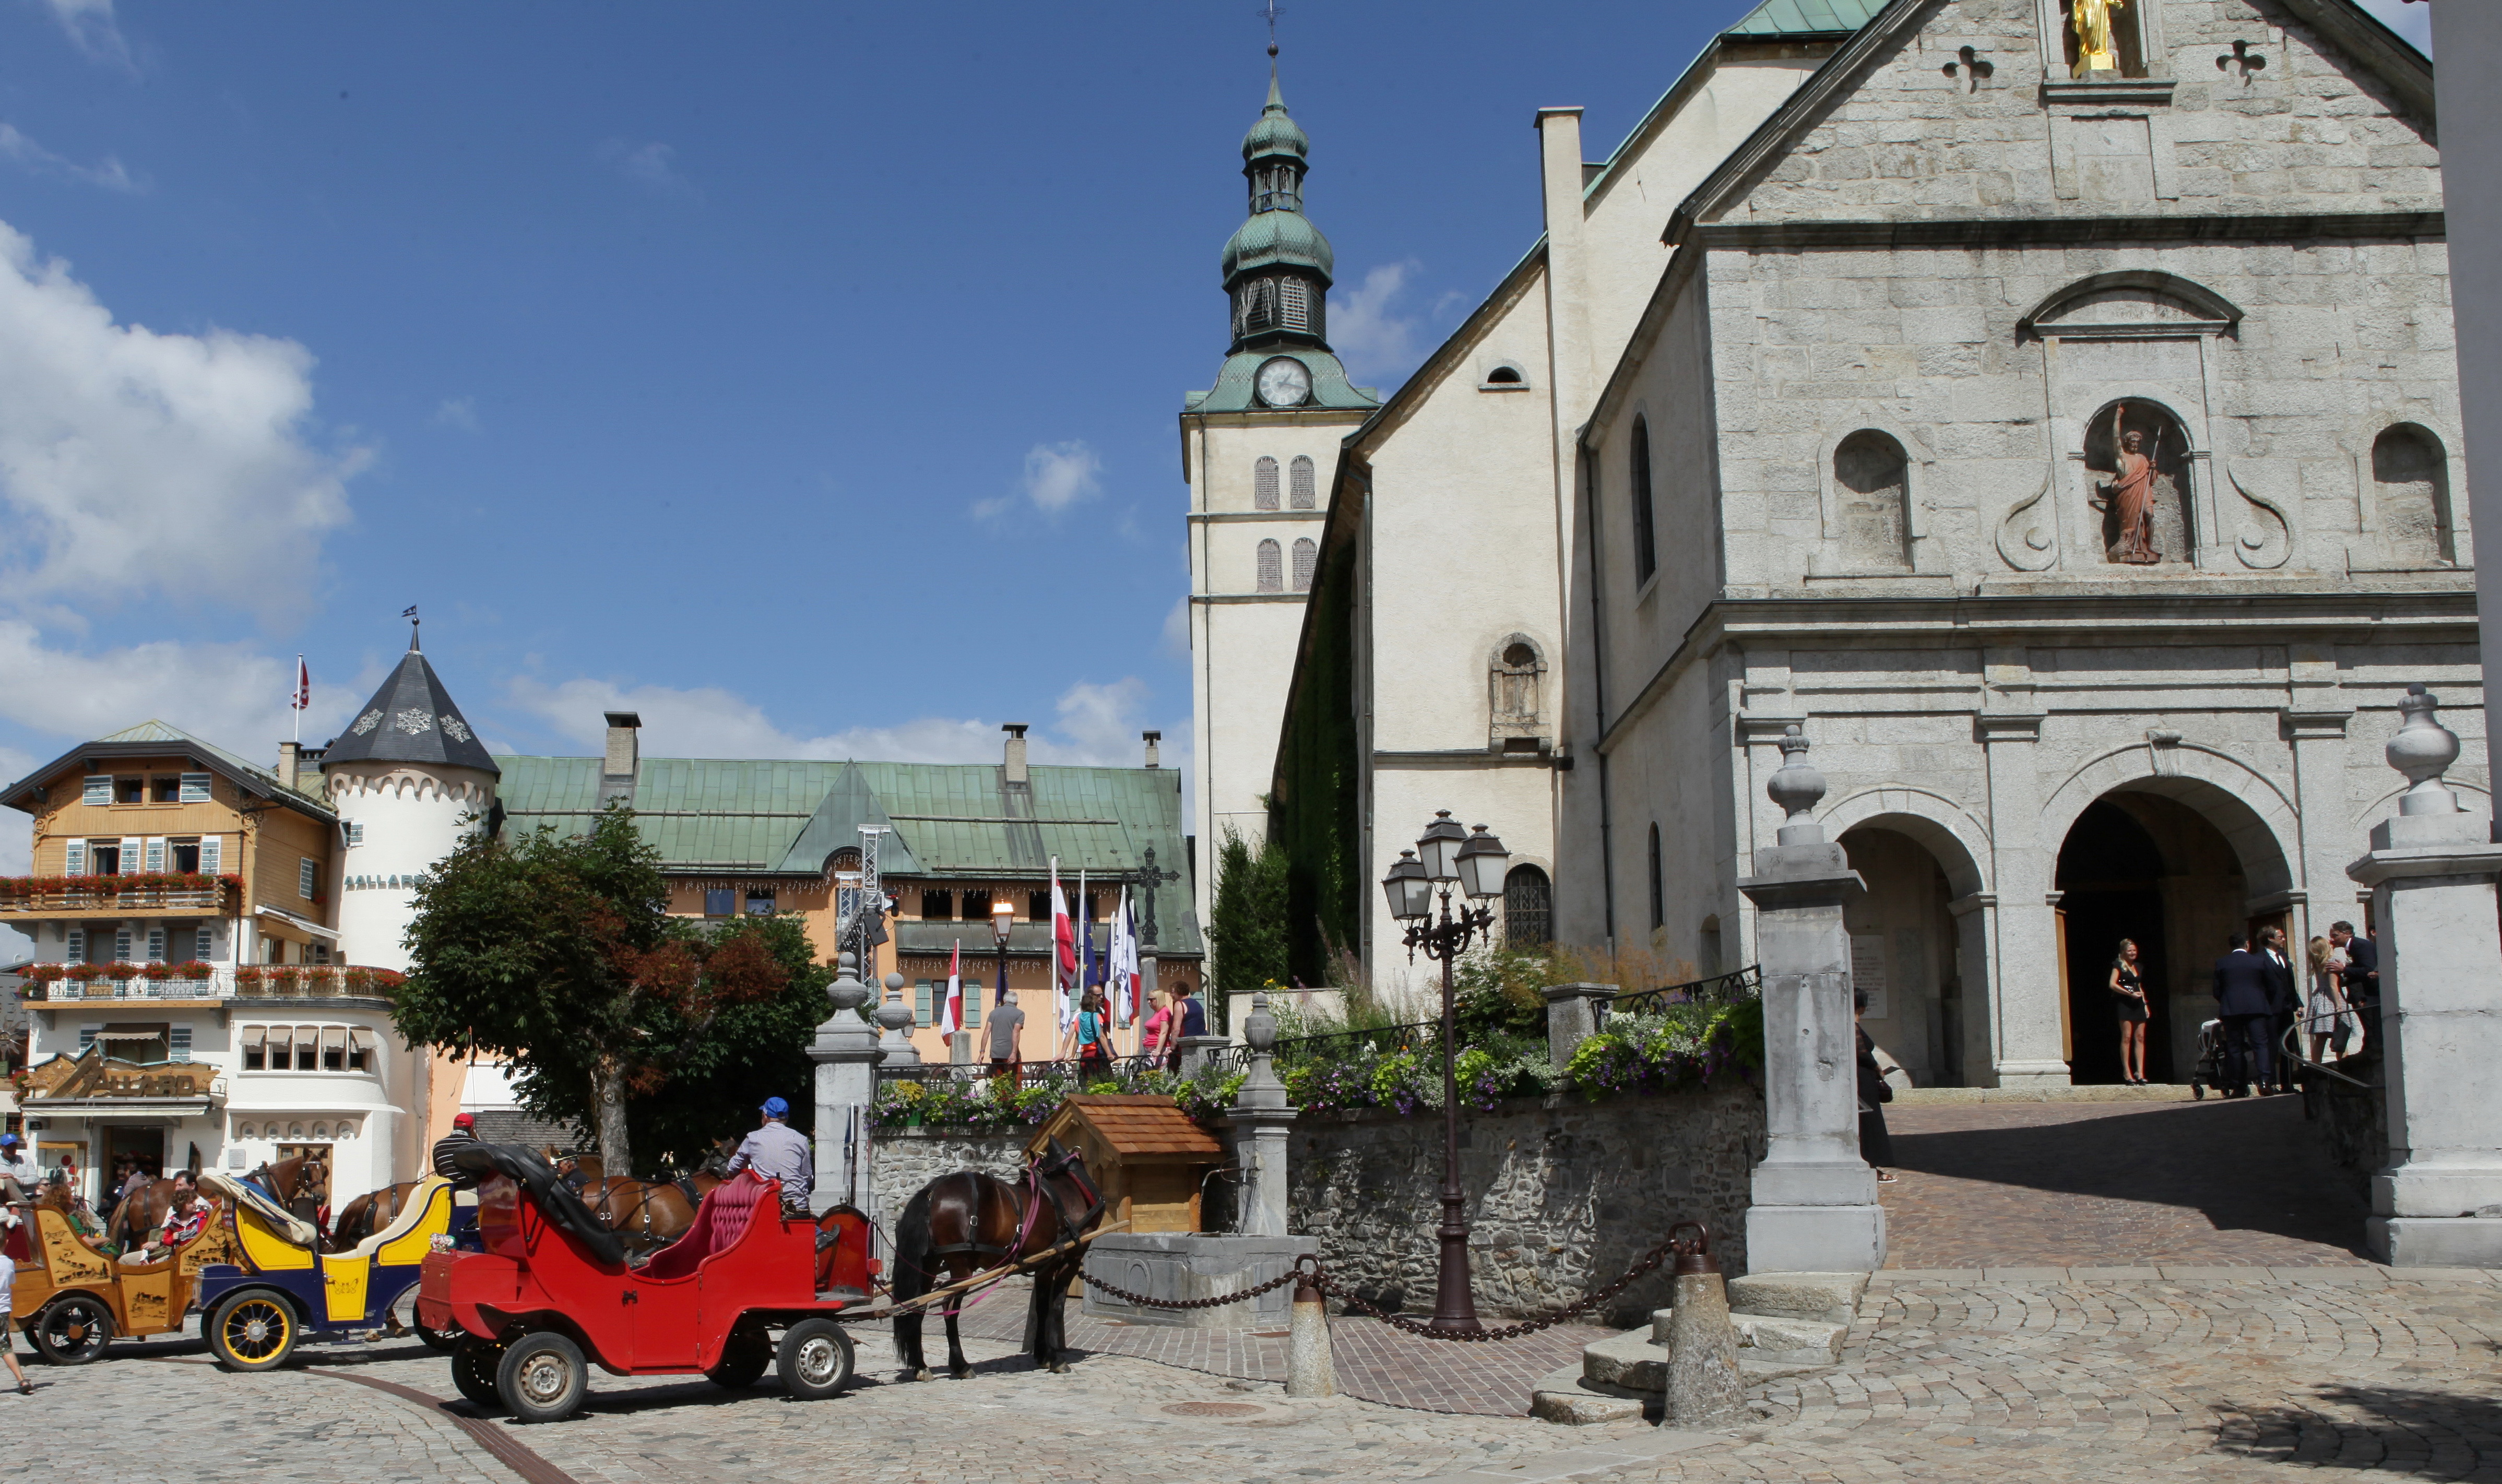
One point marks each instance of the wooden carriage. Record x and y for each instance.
(279, 1287)
(72, 1298)
(1150, 1160)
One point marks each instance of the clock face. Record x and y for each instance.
(1283, 381)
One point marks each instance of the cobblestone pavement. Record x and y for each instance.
(2070, 1184)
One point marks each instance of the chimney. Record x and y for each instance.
(286, 754)
(625, 754)
(1016, 752)
(1153, 737)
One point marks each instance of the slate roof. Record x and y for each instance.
(411, 718)
(777, 818)
(161, 737)
(1133, 1123)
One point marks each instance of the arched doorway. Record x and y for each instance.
(2148, 867)
(1906, 954)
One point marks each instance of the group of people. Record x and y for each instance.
(2262, 1006)
(1088, 1040)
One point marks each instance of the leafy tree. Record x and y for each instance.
(752, 1050)
(557, 954)
(1246, 928)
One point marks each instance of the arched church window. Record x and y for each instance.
(1299, 483)
(2105, 36)
(1528, 907)
(1264, 484)
(1308, 556)
(1646, 539)
(2137, 461)
(1272, 567)
(1294, 304)
(1658, 897)
(1871, 486)
(1503, 376)
(2410, 482)
(1255, 306)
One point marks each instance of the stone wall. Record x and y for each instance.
(908, 1159)
(1564, 1195)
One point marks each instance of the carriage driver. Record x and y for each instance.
(777, 1150)
(463, 1136)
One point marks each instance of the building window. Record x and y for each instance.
(186, 856)
(1299, 484)
(1872, 486)
(977, 907)
(96, 790)
(156, 853)
(922, 1011)
(721, 901)
(308, 1049)
(1264, 484)
(87, 1037)
(1295, 304)
(1308, 556)
(1503, 376)
(155, 945)
(355, 833)
(121, 945)
(75, 952)
(759, 902)
(178, 1045)
(1272, 577)
(2411, 481)
(1037, 907)
(204, 944)
(165, 789)
(195, 788)
(104, 857)
(1658, 898)
(130, 790)
(972, 1003)
(1528, 907)
(938, 906)
(1645, 534)
(308, 877)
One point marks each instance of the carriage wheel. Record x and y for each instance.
(473, 1371)
(73, 1330)
(543, 1378)
(252, 1332)
(746, 1357)
(816, 1359)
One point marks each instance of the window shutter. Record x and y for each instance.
(1264, 494)
(155, 853)
(195, 788)
(75, 952)
(211, 854)
(305, 879)
(131, 846)
(96, 790)
(1300, 483)
(121, 945)
(1271, 576)
(179, 1044)
(155, 945)
(921, 1015)
(86, 1036)
(973, 1003)
(355, 833)
(76, 863)
(204, 945)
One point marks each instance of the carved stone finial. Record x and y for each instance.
(847, 992)
(1797, 788)
(2423, 750)
(1260, 1028)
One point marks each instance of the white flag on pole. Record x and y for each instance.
(1063, 938)
(1125, 960)
(951, 1017)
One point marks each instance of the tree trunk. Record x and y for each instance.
(608, 1087)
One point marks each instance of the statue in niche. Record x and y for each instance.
(2139, 467)
(2102, 37)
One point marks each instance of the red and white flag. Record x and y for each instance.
(951, 1016)
(1063, 938)
(303, 696)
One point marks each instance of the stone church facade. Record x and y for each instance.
(2070, 453)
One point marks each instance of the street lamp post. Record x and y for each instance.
(1002, 917)
(1447, 855)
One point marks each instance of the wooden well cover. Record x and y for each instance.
(1148, 1158)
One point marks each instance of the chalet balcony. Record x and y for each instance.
(160, 894)
(57, 984)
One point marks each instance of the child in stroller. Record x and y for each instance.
(2209, 1070)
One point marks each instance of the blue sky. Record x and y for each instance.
(804, 377)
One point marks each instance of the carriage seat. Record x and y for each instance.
(412, 1213)
(547, 1190)
(720, 1222)
(248, 1195)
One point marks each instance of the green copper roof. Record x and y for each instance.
(1806, 18)
(1271, 239)
(1275, 133)
(1331, 390)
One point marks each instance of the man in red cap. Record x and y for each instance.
(463, 1135)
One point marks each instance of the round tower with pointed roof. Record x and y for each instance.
(408, 778)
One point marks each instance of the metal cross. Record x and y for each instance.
(1147, 879)
(1269, 13)
(2249, 62)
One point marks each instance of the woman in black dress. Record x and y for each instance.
(2128, 996)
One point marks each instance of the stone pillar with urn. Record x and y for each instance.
(847, 1056)
(2432, 871)
(1260, 1120)
(1816, 1206)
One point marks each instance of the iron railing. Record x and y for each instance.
(1336, 1045)
(1727, 989)
(258, 982)
(1027, 1073)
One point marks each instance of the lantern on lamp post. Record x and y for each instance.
(1446, 856)
(1002, 918)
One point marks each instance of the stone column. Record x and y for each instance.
(897, 1017)
(847, 1056)
(1260, 1120)
(2432, 871)
(1816, 1204)
(1195, 1050)
(1572, 1016)
(2023, 976)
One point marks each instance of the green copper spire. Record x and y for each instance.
(1276, 265)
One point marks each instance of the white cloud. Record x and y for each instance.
(457, 412)
(135, 464)
(92, 29)
(652, 164)
(2414, 21)
(1369, 336)
(1057, 476)
(17, 148)
(1177, 627)
(230, 695)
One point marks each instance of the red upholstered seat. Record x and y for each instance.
(720, 1222)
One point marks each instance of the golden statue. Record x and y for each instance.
(2096, 51)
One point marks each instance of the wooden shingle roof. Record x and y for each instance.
(1134, 1125)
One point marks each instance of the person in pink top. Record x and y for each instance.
(1156, 1034)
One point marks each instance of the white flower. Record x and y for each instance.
(455, 728)
(414, 722)
(366, 723)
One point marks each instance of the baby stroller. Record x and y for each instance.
(2209, 1070)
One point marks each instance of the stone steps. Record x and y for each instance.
(1791, 1324)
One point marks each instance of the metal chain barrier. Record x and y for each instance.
(1312, 1269)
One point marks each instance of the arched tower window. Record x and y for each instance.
(1308, 556)
(1299, 483)
(1658, 897)
(1871, 486)
(2410, 482)
(1645, 535)
(1272, 567)
(1528, 907)
(2137, 458)
(1264, 484)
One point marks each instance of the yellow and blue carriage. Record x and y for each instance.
(286, 1289)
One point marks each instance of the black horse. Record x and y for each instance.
(968, 1222)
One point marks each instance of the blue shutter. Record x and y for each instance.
(211, 854)
(155, 945)
(76, 863)
(179, 1044)
(96, 790)
(155, 853)
(195, 788)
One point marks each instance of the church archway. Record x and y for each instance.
(1922, 967)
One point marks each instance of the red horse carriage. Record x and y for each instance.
(553, 1291)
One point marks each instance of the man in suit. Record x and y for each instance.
(2282, 986)
(2362, 981)
(2245, 1005)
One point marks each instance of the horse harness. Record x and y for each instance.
(1036, 1170)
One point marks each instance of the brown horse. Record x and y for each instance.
(968, 1222)
(649, 1214)
(300, 1182)
(369, 1213)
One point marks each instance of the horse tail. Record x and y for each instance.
(909, 1273)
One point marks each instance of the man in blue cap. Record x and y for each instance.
(779, 1152)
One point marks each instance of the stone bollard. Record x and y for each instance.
(1703, 1387)
(1309, 1370)
(1572, 1016)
